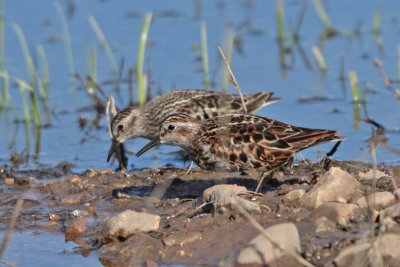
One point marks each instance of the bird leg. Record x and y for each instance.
(327, 159)
(268, 174)
(188, 169)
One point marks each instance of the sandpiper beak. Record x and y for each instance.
(152, 143)
(113, 148)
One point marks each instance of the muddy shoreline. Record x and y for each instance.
(59, 201)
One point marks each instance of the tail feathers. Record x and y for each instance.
(314, 138)
(259, 100)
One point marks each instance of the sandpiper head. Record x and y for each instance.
(177, 130)
(124, 125)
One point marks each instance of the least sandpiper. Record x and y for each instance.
(145, 122)
(238, 142)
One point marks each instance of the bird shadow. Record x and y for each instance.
(180, 188)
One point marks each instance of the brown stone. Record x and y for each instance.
(225, 196)
(392, 211)
(9, 181)
(379, 199)
(181, 238)
(225, 190)
(128, 223)
(54, 217)
(335, 185)
(335, 211)
(74, 179)
(295, 194)
(370, 174)
(262, 251)
(323, 224)
(76, 226)
(384, 251)
(70, 200)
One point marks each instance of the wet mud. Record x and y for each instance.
(190, 232)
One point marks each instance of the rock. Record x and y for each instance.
(370, 174)
(379, 199)
(181, 238)
(387, 224)
(391, 212)
(128, 223)
(295, 194)
(9, 181)
(54, 217)
(150, 263)
(323, 224)
(223, 191)
(70, 200)
(385, 251)
(74, 179)
(335, 185)
(106, 171)
(50, 224)
(224, 197)
(335, 211)
(180, 253)
(388, 216)
(262, 251)
(76, 226)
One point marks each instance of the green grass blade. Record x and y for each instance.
(35, 109)
(204, 55)
(398, 62)
(280, 21)
(322, 14)
(376, 23)
(2, 53)
(38, 134)
(45, 69)
(104, 44)
(354, 86)
(28, 59)
(320, 58)
(230, 36)
(67, 42)
(356, 116)
(33, 74)
(91, 62)
(6, 93)
(27, 135)
(25, 104)
(140, 59)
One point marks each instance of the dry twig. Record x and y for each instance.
(233, 79)
(261, 229)
(11, 226)
(110, 104)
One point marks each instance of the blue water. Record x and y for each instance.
(174, 65)
(43, 249)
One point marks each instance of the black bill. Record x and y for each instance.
(113, 148)
(151, 144)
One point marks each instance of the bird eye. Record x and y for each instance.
(171, 127)
(120, 127)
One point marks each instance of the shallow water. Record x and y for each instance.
(174, 31)
(30, 248)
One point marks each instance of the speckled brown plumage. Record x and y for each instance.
(238, 142)
(145, 122)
